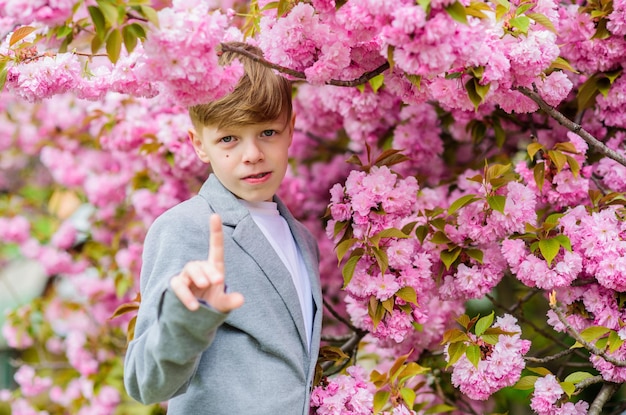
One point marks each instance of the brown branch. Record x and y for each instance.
(608, 389)
(339, 317)
(588, 382)
(300, 75)
(549, 358)
(576, 335)
(572, 126)
(348, 347)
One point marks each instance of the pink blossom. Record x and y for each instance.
(44, 77)
(15, 229)
(555, 88)
(180, 55)
(30, 384)
(501, 367)
(348, 394)
(546, 395)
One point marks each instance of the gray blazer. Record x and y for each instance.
(254, 360)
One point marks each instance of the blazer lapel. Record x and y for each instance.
(251, 239)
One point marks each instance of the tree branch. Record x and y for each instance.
(576, 335)
(588, 382)
(608, 389)
(549, 358)
(572, 126)
(300, 75)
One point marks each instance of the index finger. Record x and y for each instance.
(216, 242)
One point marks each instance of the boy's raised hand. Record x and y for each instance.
(205, 279)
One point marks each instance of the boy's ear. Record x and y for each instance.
(292, 125)
(196, 142)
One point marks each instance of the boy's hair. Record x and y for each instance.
(261, 95)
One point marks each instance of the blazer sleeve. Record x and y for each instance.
(169, 339)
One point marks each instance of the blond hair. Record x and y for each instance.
(261, 95)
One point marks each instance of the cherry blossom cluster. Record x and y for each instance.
(546, 398)
(348, 394)
(500, 364)
(368, 204)
(601, 308)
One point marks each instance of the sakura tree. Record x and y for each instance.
(461, 162)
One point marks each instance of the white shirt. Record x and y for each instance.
(277, 232)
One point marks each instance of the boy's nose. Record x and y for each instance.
(253, 152)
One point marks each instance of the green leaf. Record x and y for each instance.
(476, 254)
(594, 332)
(421, 232)
(130, 40)
(573, 165)
(449, 256)
(563, 64)
(526, 382)
(539, 172)
(150, 14)
(408, 294)
(137, 30)
(3, 75)
(439, 408)
(497, 202)
(521, 23)
(576, 377)
(381, 259)
(568, 387)
(425, 4)
(543, 20)
(388, 233)
(110, 12)
(390, 59)
(615, 342)
(464, 321)
(523, 8)
(461, 202)
(472, 93)
(455, 352)
(380, 400)
(377, 82)
(114, 45)
(453, 336)
(483, 324)
(473, 354)
(587, 92)
(439, 238)
(564, 241)
(457, 11)
(533, 148)
(348, 270)
(416, 80)
(549, 248)
(497, 170)
(98, 21)
(539, 370)
(375, 310)
(344, 247)
(499, 133)
(408, 396)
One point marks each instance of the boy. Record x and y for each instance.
(250, 348)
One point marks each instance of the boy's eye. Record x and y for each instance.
(268, 133)
(227, 139)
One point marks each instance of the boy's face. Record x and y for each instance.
(250, 160)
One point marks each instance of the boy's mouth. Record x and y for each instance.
(257, 176)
